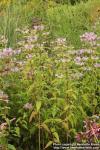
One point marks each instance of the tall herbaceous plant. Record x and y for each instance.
(47, 86)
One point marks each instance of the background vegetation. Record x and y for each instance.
(63, 20)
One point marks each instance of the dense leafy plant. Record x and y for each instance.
(47, 88)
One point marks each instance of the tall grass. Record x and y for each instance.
(71, 21)
(63, 20)
(16, 14)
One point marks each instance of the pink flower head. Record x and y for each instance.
(81, 51)
(28, 106)
(88, 37)
(78, 59)
(97, 65)
(7, 52)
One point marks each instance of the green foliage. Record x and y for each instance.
(47, 86)
(49, 93)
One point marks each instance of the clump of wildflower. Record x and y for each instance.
(91, 133)
(28, 106)
(7, 52)
(90, 37)
(78, 61)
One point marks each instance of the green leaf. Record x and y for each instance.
(8, 121)
(17, 131)
(53, 120)
(82, 111)
(66, 107)
(38, 105)
(45, 127)
(48, 144)
(55, 134)
(11, 147)
(95, 103)
(33, 114)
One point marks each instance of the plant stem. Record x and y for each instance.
(39, 131)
